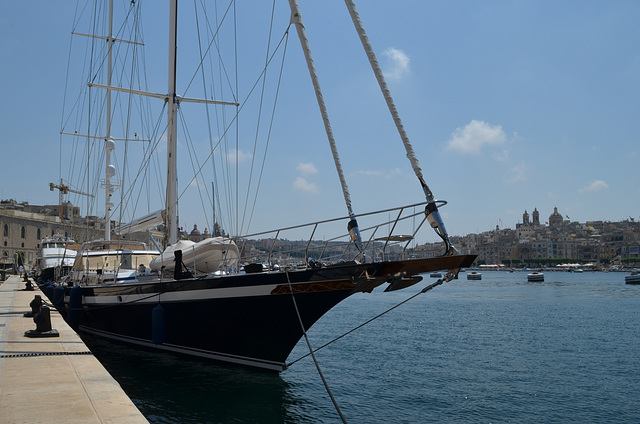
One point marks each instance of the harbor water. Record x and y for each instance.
(498, 350)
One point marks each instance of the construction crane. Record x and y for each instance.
(65, 189)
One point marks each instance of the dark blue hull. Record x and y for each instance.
(247, 319)
(216, 317)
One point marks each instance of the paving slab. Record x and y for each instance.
(52, 380)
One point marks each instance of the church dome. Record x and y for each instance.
(555, 219)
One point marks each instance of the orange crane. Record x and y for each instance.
(65, 189)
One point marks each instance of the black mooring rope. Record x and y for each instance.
(426, 289)
(304, 331)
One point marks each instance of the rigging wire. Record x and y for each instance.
(235, 117)
(222, 141)
(222, 72)
(204, 87)
(148, 157)
(268, 138)
(192, 155)
(85, 99)
(258, 119)
(311, 352)
(426, 289)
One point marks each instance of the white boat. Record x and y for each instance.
(109, 262)
(535, 277)
(474, 276)
(194, 298)
(633, 278)
(56, 257)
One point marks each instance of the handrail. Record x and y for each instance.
(317, 249)
(391, 232)
(306, 251)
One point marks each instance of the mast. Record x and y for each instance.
(433, 215)
(109, 144)
(296, 18)
(172, 178)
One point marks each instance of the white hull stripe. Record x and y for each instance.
(182, 296)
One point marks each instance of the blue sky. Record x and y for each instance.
(510, 106)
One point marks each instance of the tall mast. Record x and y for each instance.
(433, 216)
(109, 144)
(172, 178)
(296, 18)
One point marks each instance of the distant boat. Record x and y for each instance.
(535, 277)
(435, 275)
(56, 257)
(633, 278)
(474, 276)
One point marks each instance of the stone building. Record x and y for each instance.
(23, 226)
(615, 243)
(555, 219)
(196, 235)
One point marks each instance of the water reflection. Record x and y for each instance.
(170, 388)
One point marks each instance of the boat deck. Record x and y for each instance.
(54, 379)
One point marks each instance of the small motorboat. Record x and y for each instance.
(474, 276)
(535, 277)
(633, 278)
(435, 275)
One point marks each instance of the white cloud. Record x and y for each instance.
(597, 185)
(241, 156)
(303, 185)
(501, 156)
(306, 168)
(398, 64)
(518, 173)
(474, 136)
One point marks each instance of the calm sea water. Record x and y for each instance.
(499, 350)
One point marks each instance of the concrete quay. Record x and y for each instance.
(55, 379)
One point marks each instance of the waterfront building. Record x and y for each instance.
(23, 226)
(604, 243)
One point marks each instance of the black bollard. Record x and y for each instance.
(35, 305)
(43, 324)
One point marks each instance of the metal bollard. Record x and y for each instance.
(43, 324)
(35, 305)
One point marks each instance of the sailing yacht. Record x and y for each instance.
(218, 298)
